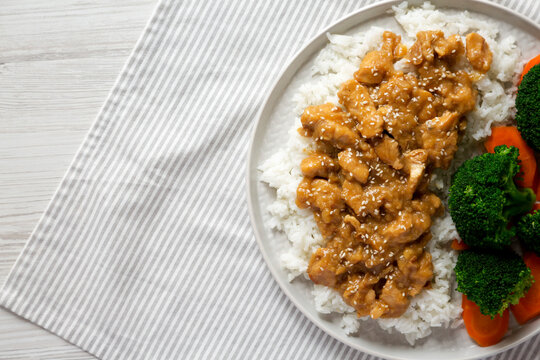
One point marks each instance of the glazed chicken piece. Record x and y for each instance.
(329, 123)
(391, 45)
(428, 203)
(424, 104)
(407, 227)
(401, 125)
(328, 112)
(319, 194)
(398, 90)
(393, 302)
(324, 267)
(478, 52)
(325, 197)
(440, 137)
(359, 292)
(415, 165)
(412, 222)
(413, 271)
(318, 165)
(376, 197)
(352, 166)
(459, 95)
(374, 67)
(422, 50)
(376, 64)
(353, 195)
(414, 265)
(388, 151)
(355, 97)
(450, 47)
(418, 270)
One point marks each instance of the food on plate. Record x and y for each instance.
(367, 178)
(534, 61)
(528, 107)
(385, 120)
(492, 279)
(489, 279)
(484, 198)
(484, 329)
(458, 245)
(529, 306)
(510, 136)
(528, 231)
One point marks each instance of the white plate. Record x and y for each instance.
(270, 133)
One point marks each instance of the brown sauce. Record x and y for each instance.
(367, 180)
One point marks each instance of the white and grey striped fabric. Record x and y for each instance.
(146, 249)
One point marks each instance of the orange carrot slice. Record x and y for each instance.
(459, 245)
(482, 328)
(529, 65)
(529, 305)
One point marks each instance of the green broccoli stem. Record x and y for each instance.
(518, 201)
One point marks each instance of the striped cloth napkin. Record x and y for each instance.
(146, 249)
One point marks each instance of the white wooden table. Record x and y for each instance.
(58, 61)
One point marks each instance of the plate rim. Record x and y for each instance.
(251, 168)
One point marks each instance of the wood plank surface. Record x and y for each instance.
(58, 61)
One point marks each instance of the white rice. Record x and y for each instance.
(440, 305)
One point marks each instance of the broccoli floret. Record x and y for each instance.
(528, 107)
(483, 198)
(492, 279)
(528, 231)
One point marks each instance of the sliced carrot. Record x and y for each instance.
(529, 65)
(529, 305)
(459, 245)
(482, 328)
(510, 136)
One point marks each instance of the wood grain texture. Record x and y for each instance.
(58, 61)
